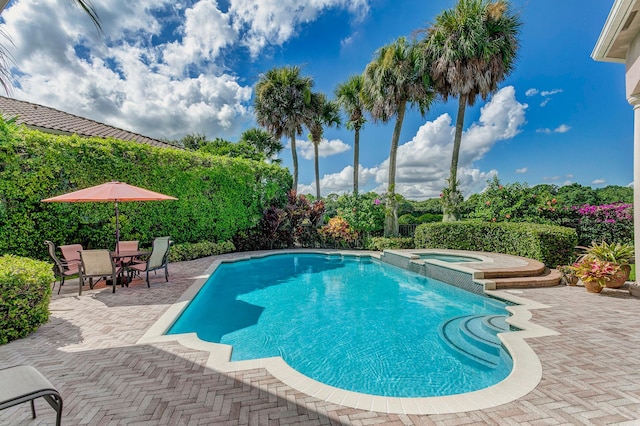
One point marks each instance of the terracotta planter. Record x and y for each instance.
(592, 286)
(571, 280)
(620, 278)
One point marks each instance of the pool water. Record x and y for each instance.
(353, 323)
(452, 258)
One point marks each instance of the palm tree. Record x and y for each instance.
(282, 101)
(470, 49)
(348, 96)
(263, 142)
(5, 58)
(391, 81)
(322, 113)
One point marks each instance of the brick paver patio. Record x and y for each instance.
(88, 350)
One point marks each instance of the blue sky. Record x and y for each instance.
(167, 69)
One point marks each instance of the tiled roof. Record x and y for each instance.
(55, 121)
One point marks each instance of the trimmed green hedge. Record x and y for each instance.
(25, 291)
(217, 196)
(550, 244)
(381, 243)
(190, 251)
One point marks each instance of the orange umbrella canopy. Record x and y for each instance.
(110, 191)
(116, 192)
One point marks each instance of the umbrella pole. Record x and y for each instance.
(117, 232)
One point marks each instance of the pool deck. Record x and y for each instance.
(89, 350)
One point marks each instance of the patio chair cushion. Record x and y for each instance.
(22, 383)
(158, 259)
(71, 253)
(123, 246)
(96, 263)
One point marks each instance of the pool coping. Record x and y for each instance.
(524, 377)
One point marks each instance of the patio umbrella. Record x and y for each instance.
(116, 192)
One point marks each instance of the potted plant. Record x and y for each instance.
(615, 253)
(595, 273)
(569, 276)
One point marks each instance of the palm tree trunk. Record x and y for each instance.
(294, 155)
(453, 172)
(391, 214)
(356, 160)
(317, 167)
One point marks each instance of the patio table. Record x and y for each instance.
(124, 254)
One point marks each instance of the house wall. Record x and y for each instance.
(632, 79)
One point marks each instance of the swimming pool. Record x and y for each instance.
(353, 323)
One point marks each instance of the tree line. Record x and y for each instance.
(464, 54)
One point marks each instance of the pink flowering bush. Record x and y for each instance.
(608, 222)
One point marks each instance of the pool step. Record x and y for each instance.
(548, 278)
(475, 337)
(529, 268)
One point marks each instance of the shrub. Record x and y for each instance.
(190, 251)
(25, 291)
(609, 222)
(550, 244)
(514, 202)
(381, 243)
(289, 224)
(338, 233)
(364, 213)
(409, 219)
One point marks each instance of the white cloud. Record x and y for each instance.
(630, 185)
(160, 68)
(522, 170)
(599, 182)
(423, 162)
(326, 148)
(550, 92)
(546, 94)
(342, 182)
(563, 128)
(206, 32)
(551, 178)
(267, 22)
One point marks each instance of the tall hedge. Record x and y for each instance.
(25, 291)
(550, 244)
(217, 196)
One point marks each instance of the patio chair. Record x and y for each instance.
(22, 383)
(62, 267)
(97, 263)
(158, 259)
(70, 253)
(124, 246)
